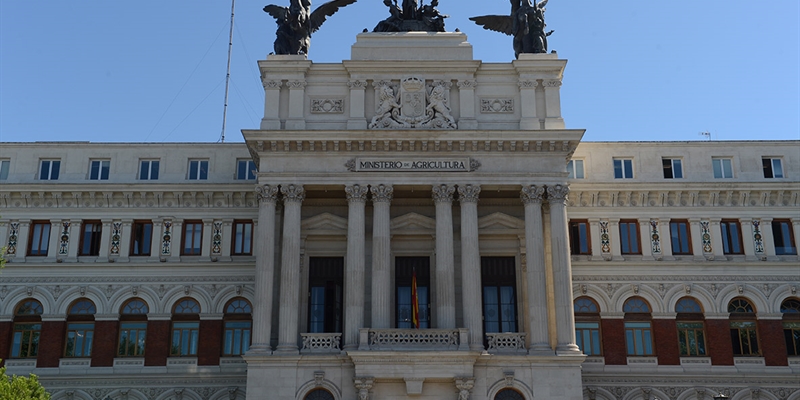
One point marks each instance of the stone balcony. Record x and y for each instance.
(413, 339)
(321, 343)
(506, 343)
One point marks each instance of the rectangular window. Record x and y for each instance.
(731, 237)
(587, 335)
(575, 169)
(192, 238)
(406, 268)
(744, 338)
(79, 339)
(237, 337)
(623, 168)
(691, 338)
(40, 238)
(141, 238)
(148, 170)
(132, 337)
(639, 338)
(184, 338)
(498, 277)
(791, 332)
(245, 170)
(722, 168)
(629, 237)
(98, 170)
(25, 343)
(198, 170)
(579, 237)
(325, 286)
(49, 169)
(242, 238)
(784, 237)
(5, 165)
(92, 233)
(681, 241)
(772, 167)
(672, 168)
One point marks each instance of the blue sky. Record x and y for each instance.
(154, 71)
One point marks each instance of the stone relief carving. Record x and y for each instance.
(498, 106)
(382, 193)
(416, 105)
(327, 106)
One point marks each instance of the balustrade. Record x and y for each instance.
(321, 342)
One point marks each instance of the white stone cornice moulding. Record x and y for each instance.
(753, 195)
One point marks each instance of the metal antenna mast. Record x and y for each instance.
(227, 76)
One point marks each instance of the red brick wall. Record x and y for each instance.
(665, 335)
(104, 347)
(773, 344)
(614, 351)
(156, 346)
(51, 344)
(210, 346)
(718, 340)
(6, 329)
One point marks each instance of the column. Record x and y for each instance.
(665, 235)
(466, 98)
(296, 120)
(715, 230)
(272, 102)
(471, 265)
(381, 256)
(538, 329)
(445, 281)
(562, 270)
(355, 264)
(527, 97)
(697, 239)
(646, 239)
(293, 196)
(54, 239)
(208, 234)
(357, 118)
(552, 101)
(748, 244)
(264, 251)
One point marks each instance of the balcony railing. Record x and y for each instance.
(506, 342)
(321, 342)
(414, 339)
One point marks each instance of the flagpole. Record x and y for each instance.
(414, 299)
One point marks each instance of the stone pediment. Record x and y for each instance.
(413, 224)
(324, 224)
(499, 223)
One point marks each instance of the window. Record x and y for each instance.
(691, 327)
(192, 238)
(731, 237)
(508, 394)
(27, 329)
(141, 238)
(148, 170)
(80, 329)
(319, 394)
(772, 167)
(638, 327)
(783, 236)
(722, 168)
(623, 168)
(325, 287)
(575, 169)
(410, 270)
(744, 330)
(579, 237)
(49, 169)
(40, 238)
(587, 326)
(679, 232)
(238, 326)
(245, 170)
(498, 277)
(629, 237)
(790, 308)
(132, 328)
(98, 170)
(185, 328)
(92, 233)
(242, 238)
(5, 165)
(672, 168)
(198, 170)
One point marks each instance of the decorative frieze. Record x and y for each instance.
(166, 239)
(706, 236)
(497, 106)
(216, 239)
(11, 249)
(655, 238)
(327, 106)
(605, 241)
(758, 240)
(63, 244)
(116, 235)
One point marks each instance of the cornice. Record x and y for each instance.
(79, 195)
(683, 278)
(687, 194)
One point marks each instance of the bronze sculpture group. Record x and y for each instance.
(525, 24)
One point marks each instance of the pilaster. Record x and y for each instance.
(715, 230)
(272, 99)
(125, 241)
(527, 95)
(22, 235)
(296, 120)
(466, 97)
(796, 228)
(227, 238)
(616, 240)
(748, 243)
(665, 235)
(646, 239)
(552, 100)
(768, 238)
(105, 241)
(697, 239)
(53, 240)
(357, 118)
(445, 280)
(176, 240)
(208, 228)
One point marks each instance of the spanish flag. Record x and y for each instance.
(414, 300)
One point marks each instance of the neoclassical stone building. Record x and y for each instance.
(409, 223)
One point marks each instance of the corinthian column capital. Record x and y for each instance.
(382, 193)
(443, 193)
(468, 193)
(356, 193)
(266, 193)
(557, 193)
(293, 193)
(532, 194)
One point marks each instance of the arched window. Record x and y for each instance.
(744, 328)
(509, 394)
(185, 327)
(691, 327)
(791, 325)
(238, 325)
(132, 328)
(27, 328)
(587, 326)
(80, 328)
(319, 394)
(638, 327)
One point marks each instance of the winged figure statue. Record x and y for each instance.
(296, 23)
(525, 24)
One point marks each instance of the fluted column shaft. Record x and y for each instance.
(562, 269)
(445, 280)
(355, 264)
(471, 265)
(538, 329)
(293, 196)
(265, 268)
(381, 256)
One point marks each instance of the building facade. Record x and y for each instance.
(423, 226)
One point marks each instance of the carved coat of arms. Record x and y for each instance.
(412, 104)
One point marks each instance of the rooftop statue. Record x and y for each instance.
(526, 24)
(411, 16)
(296, 23)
